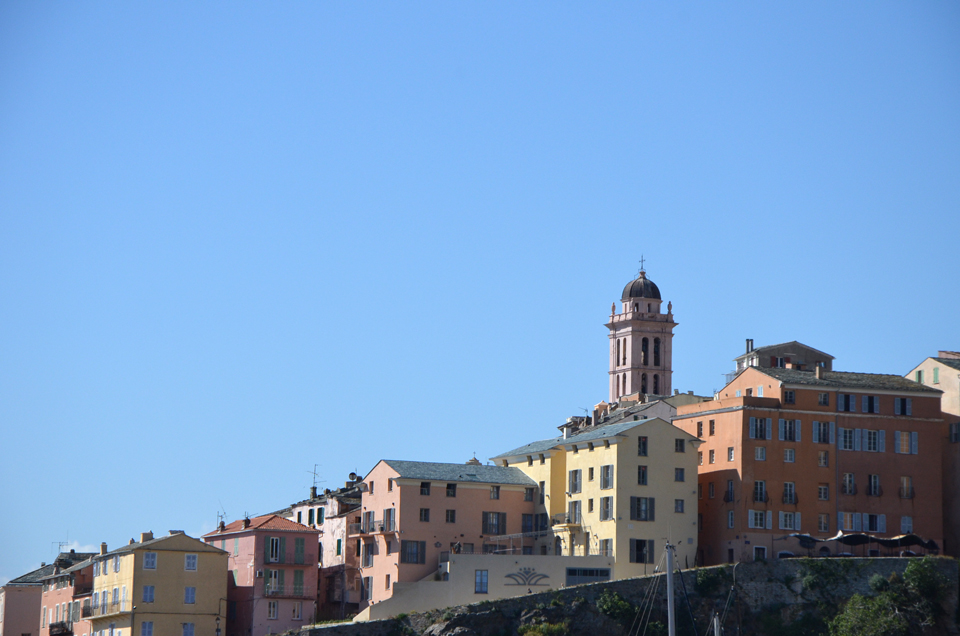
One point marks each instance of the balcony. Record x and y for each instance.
(848, 489)
(110, 609)
(566, 519)
(373, 526)
(875, 490)
(790, 498)
(86, 611)
(285, 592)
(761, 497)
(292, 558)
(61, 628)
(907, 493)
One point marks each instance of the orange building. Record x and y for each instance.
(814, 452)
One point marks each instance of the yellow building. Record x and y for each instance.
(616, 490)
(172, 586)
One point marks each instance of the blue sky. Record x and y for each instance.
(238, 240)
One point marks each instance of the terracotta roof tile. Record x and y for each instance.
(264, 522)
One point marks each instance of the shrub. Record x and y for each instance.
(545, 629)
(709, 580)
(862, 616)
(878, 583)
(922, 578)
(616, 607)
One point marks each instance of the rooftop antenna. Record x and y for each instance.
(60, 544)
(315, 475)
(221, 514)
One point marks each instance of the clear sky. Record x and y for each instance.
(241, 239)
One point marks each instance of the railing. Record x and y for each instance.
(86, 611)
(907, 493)
(727, 496)
(370, 527)
(566, 519)
(762, 497)
(292, 558)
(80, 590)
(875, 491)
(61, 628)
(110, 608)
(848, 489)
(790, 498)
(285, 592)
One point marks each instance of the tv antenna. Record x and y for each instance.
(316, 475)
(221, 514)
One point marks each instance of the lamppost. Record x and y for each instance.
(218, 626)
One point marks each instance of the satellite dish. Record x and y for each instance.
(353, 476)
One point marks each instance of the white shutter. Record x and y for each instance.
(781, 430)
(749, 518)
(753, 428)
(769, 520)
(882, 442)
(914, 443)
(896, 441)
(796, 424)
(856, 438)
(780, 514)
(909, 406)
(796, 522)
(882, 524)
(833, 433)
(816, 432)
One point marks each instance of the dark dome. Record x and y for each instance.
(641, 287)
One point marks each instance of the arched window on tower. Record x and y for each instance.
(643, 383)
(618, 351)
(656, 353)
(624, 383)
(623, 352)
(636, 307)
(649, 308)
(643, 351)
(656, 384)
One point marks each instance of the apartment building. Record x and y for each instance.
(789, 451)
(272, 563)
(616, 490)
(414, 513)
(21, 612)
(66, 601)
(172, 585)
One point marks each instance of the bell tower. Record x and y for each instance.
(641, 341)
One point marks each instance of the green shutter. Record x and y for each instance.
(298, 582)
(281, 572)
(283, 549)
(339, 546)
(298, 545)
(266, 549)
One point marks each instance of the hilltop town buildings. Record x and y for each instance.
(66, 599)
(21, 611)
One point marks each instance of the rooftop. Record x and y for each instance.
(950, 362)
(272, 522)
(63, 560)
(780, 346)
(847, 380)
(430, 471)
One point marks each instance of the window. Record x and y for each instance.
(149, 560)
(590, 446)
(526, 523)
(590, 474)
(642, 446)
(757, 519)
(574, 482)
(906, 488)
(494, 523)
(789, 455)
(789, 397)
(190, 562)
(903, 406)
(451, 490)
(713, 427)
(494, 492)
(679, 446)
(711, 490)
(96, 568)
(188, 628)
(730, 518)
(906, 443)
(790, 430)
(424, 514)
(641, 475)
(699, 429)
(606, 508)
(529, 460)
(543, 459)
(528, 494)
(606, 477)
(823, 399)
(699, 458)
(760, 453)
(146, 628)
(713, 456)
(642, 508)
(955, 432)
(906, 525)
(310, 517)
(480, 582)
(148, 592)
(425, 488)
(298, 608)
(678, 505)
(606, 547)
(272, 610)
(371, 487)
(823, 523)
(788, 521)
(846, 439)
(641, 550)
(872, 440)
(339, 547)
(760, 391)
(919, 376)
(823, 492)
(730, 453)
(678, 474)
(189, 595)
(543, 491)
(760, 490)
(699, 491)
(366, 588)
(413, 551)
(823, 433)
(115, 599)
(847, 402)
(870, 404)
(873, 486)
(116, 563)
(848, 485)
(576, 450)
(789, 492)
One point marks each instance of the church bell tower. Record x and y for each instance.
(641, 341)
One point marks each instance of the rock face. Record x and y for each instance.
(759, 598)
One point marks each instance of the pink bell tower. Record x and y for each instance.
(641, 341)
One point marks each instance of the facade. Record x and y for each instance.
(616, 490)
(943, 373)
(21, 611)
(414, 515)
(817, 452)
(330, 513)
(786, 355)
(66, 601)
(174, 585)
(272, 580)
(641, 341)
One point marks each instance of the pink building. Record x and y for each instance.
(21, 612)
(415, 513)
(272, 584)
(66, 601)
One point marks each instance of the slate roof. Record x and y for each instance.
(847, 380)
(64, 559)
(950, 362)
(640, 287)
(73, 568)
(429, 471)
(142, 544)
(532, 448)
(782, 344)
(265, 522)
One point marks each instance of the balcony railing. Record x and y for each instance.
(284, 591)
(61, 628)
(292, 558)
(566, 519)
(372, 526)
(875, 491)
(110, 608)
(790, 498)
(86, 611)
(907, 493)
(848, 489)
(761, 497)
(727, 496)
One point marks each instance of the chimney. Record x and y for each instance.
(818, 372)
(313, 492)
(676, 391)
(222, 526)
(146, 536)
(246, 522)
(72, 551)
(131, 541)
(103, 548)
(749, 345)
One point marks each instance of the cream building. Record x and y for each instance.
(172, 586)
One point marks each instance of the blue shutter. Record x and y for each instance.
(780, 518)
(796, 424)
(856, 438)
(816, 432)
(909, 406)
(769, 428)
(898, 406)
(882, 524)
(857, 527)
(796, 522)
(896, 441)
(865, 404)
(914, 443)
(769, 520)
(882, 442)
(753, 428)
(780, 429)
(833, 433)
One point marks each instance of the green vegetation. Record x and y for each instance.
(545, 629)
(616, 607)
(709, 580)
